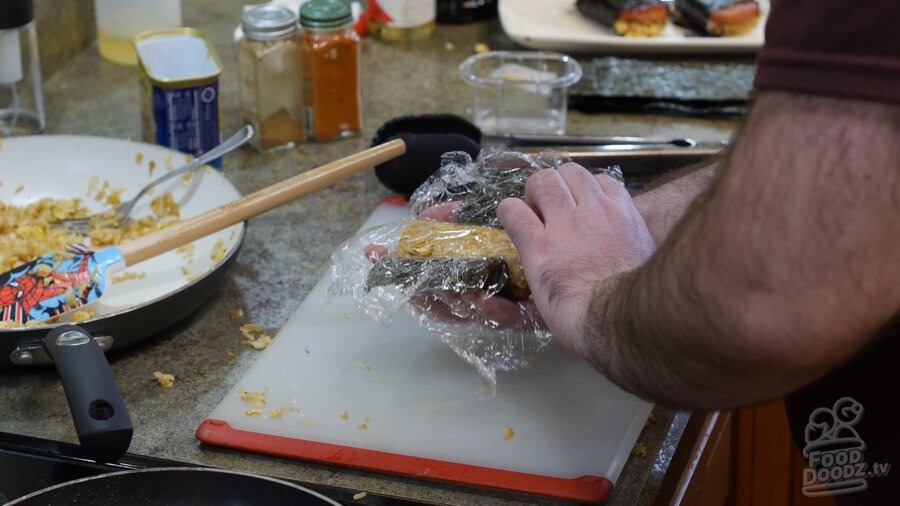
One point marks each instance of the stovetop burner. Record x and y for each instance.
(30, 464)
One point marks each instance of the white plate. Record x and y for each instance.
(557, 25)
(36, 167)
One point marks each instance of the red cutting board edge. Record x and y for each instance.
(583, 488)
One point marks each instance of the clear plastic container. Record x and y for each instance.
(118, 21)
(520, 91)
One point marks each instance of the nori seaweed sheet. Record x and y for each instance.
(608, 11)
(717, 88)
(457, 275)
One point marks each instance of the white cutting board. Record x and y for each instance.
(394, 398)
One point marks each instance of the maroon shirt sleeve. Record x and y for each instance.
(847, 48)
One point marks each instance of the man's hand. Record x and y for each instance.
(574, 231)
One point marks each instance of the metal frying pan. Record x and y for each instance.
(173, 285)
(174, 486)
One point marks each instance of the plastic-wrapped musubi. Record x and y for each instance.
(452, 265)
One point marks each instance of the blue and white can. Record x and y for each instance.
(179, 76)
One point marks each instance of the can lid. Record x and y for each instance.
(268, 22)
(16, 13)
(319, 14)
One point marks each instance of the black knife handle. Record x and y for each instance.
(101, 419)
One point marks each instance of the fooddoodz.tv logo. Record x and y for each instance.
(835, 452)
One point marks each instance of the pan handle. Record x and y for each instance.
(101, 419)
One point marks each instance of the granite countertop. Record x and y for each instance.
(89, 96)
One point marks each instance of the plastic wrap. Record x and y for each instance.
(460, 277)
(479, 185)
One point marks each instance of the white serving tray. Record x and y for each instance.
(557, 25)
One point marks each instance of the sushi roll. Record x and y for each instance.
(454, 257)
(719, 17)
(629, 18)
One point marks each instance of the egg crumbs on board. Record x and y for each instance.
(508, 432)
(363, 426)
(253, 412)
(279, 412)
(138, 158)
(345, 416)
(165, 380)
(258, 399)
(236, 314)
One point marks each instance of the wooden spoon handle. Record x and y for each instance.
(257, 203)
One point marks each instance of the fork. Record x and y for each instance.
(81, 225)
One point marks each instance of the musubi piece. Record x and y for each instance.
(460, 258)
(719, 17)
(630, 18)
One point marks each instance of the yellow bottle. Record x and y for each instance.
(118, 21)
(401, 20)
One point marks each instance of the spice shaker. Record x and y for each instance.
(21, 89)
(270, 66)
(332, 54)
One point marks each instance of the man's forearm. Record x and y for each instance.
(783, 269)
(664, 203)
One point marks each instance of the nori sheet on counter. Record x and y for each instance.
(717, 88)
(457, 275)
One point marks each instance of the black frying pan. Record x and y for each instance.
(173, 486)
(100, 417)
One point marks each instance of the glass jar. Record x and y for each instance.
(21, 89)
(401, 20)
(332, 56)
(270, 65)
